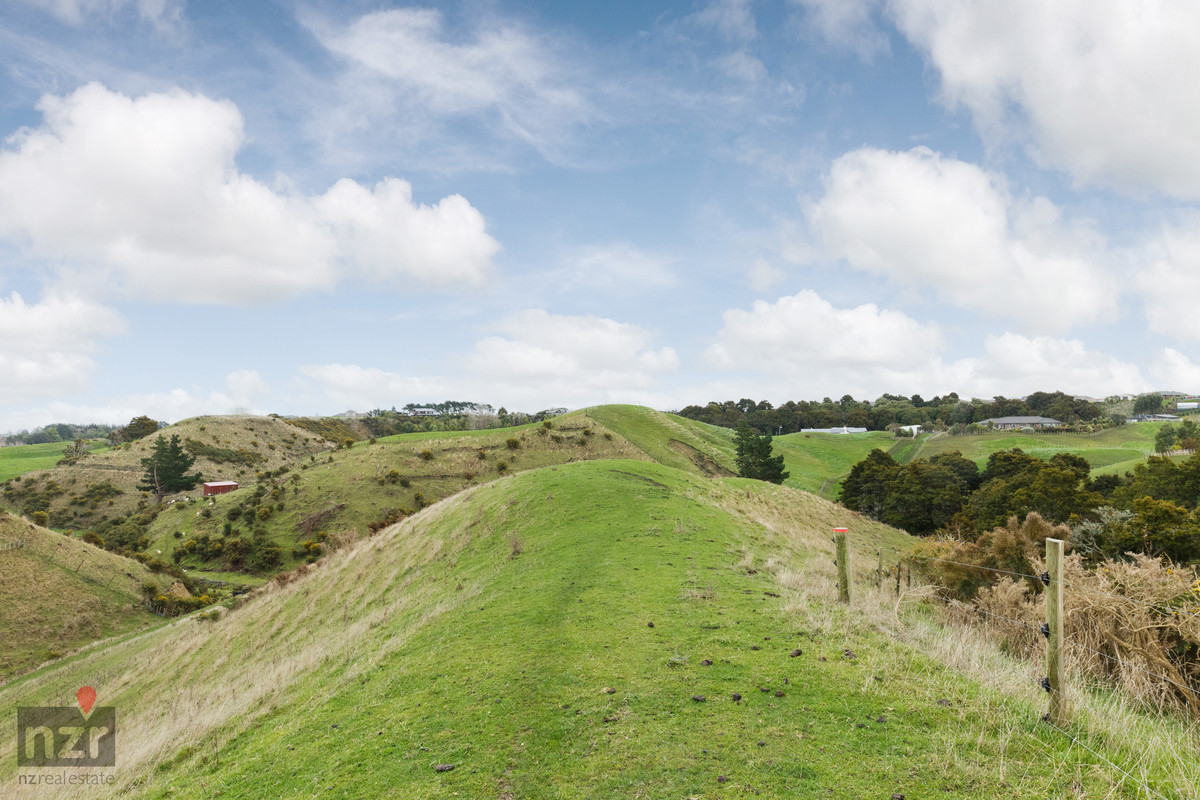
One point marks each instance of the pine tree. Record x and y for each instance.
(167, 468)
(754, 459)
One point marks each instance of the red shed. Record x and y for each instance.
(219, 487)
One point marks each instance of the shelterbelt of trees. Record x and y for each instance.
(890, 409)
(1151, 510)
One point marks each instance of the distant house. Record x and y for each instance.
(219, 487)
(426, 412)
(1016, 423)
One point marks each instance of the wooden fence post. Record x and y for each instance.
(879, 568)
(843, 563)
(1059, 710)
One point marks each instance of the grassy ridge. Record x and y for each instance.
(352, 486)
(672, 440)
(269, 442)
(507, 631)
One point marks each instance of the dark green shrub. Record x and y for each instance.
(426, 455)
(512, 444)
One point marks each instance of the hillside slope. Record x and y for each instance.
(1112, 451)
(58, 594)
(103, 486)
(570, 631)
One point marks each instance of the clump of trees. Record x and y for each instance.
(1151, 510)
(166, 468)
(754, 456)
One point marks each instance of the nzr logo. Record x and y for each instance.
(62, 736)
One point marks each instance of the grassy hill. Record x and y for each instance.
(23, 458)
(1113, 451)
(342, 493)
(58, 594)
(818, 461)
(570, 631)
(103, 485)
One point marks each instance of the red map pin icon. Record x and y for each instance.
(86, 697)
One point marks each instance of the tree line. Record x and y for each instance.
(1150, 510)
(891, 410)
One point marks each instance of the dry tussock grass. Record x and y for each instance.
(1129, 624)
(1004, 657)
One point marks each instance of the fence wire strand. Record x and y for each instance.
(964, 564)
(1068, 640)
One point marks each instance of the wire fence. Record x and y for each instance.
(1078, 738)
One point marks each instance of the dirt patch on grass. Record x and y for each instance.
(704, 463)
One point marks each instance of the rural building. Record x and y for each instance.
(1016, 423)
(426, 412)
(219, 487)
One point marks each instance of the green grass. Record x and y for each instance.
(1111, 451)
(818, 461)
(350, 478)
(670, 439)
(24, 458)
(440, 641)
(58, 594)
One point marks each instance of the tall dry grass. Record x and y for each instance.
(1133, 726)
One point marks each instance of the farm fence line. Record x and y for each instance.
(1059, 641)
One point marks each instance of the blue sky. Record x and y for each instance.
(309, 207)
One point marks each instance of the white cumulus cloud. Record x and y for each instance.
(46, 348)
(1014, 365)
(804, 331)
(1173, 370)
(1100, 88)
(803, 346)
(1170, 281)
(933, 222)
(145, 193)
(578, 355)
